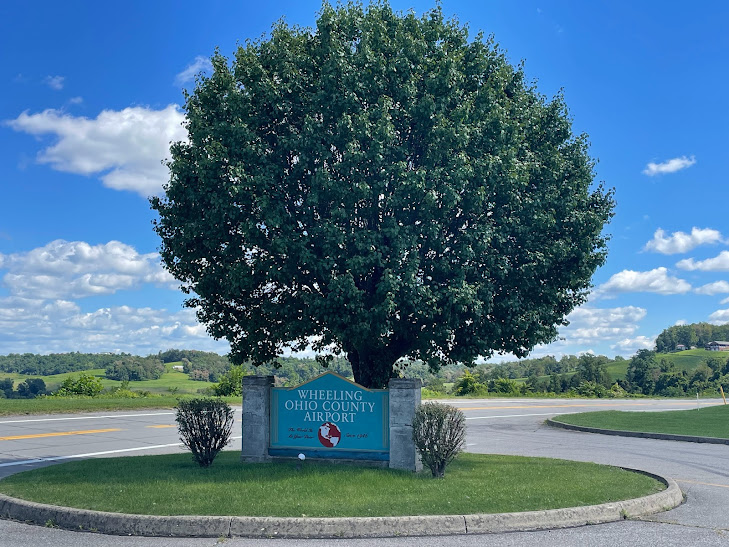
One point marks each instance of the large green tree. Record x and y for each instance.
(379, 186)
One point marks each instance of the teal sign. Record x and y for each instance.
(330, 417)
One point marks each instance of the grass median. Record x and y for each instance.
(710, 421)
(174, 485)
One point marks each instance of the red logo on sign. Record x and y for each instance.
(329, 434)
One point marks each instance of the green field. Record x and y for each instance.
(691, 358)
(617, 371)
(710, 421)
(682, 360)
(161, 393)
(175, 485)
(172, 381)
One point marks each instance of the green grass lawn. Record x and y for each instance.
(175, 485)
(710, 421)
(55, 405)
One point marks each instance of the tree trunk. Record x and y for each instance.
(368, 370)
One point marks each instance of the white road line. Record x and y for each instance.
(91, 454)
(93, 417)
(85, 418)
(519, 415)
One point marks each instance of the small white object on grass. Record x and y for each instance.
(302, 457)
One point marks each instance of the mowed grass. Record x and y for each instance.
(55, 405)
(66, 405)
(175, 485)
(710, 421)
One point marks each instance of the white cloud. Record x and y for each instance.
(76, 100)
(680, 322)
(669, 166)
(592, 331)
(681, 242)
(719, 317)
(200, 64)
(40, 316)
(39, 326)
(629, 346)
(125, 148)
(591, 326)
(717, 287)
(656, 281)
(55, 82)
(75, 269)
(719, 263)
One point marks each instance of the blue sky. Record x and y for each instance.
(91, 97)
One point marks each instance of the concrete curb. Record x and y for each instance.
(359, 527)
(639, 434)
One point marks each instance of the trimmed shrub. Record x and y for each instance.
(205, 426)
(439, 432)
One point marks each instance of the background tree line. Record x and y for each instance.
(60, 363)
(695, 334)
(646, 373)
(134, 368)
(56, 363)
(27, 389)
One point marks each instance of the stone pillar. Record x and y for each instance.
(404, 400)
(256, 412)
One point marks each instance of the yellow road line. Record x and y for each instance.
(563, 406)
(161, 426)
(57, 434)
(704, 483)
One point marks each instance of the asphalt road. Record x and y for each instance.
(504, 426)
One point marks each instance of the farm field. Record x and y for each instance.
(682, 360)
(171, 382)
(691, 358)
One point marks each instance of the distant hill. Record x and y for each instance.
(694, 335)
(689, 359)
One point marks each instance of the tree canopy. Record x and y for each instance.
(379, 186)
